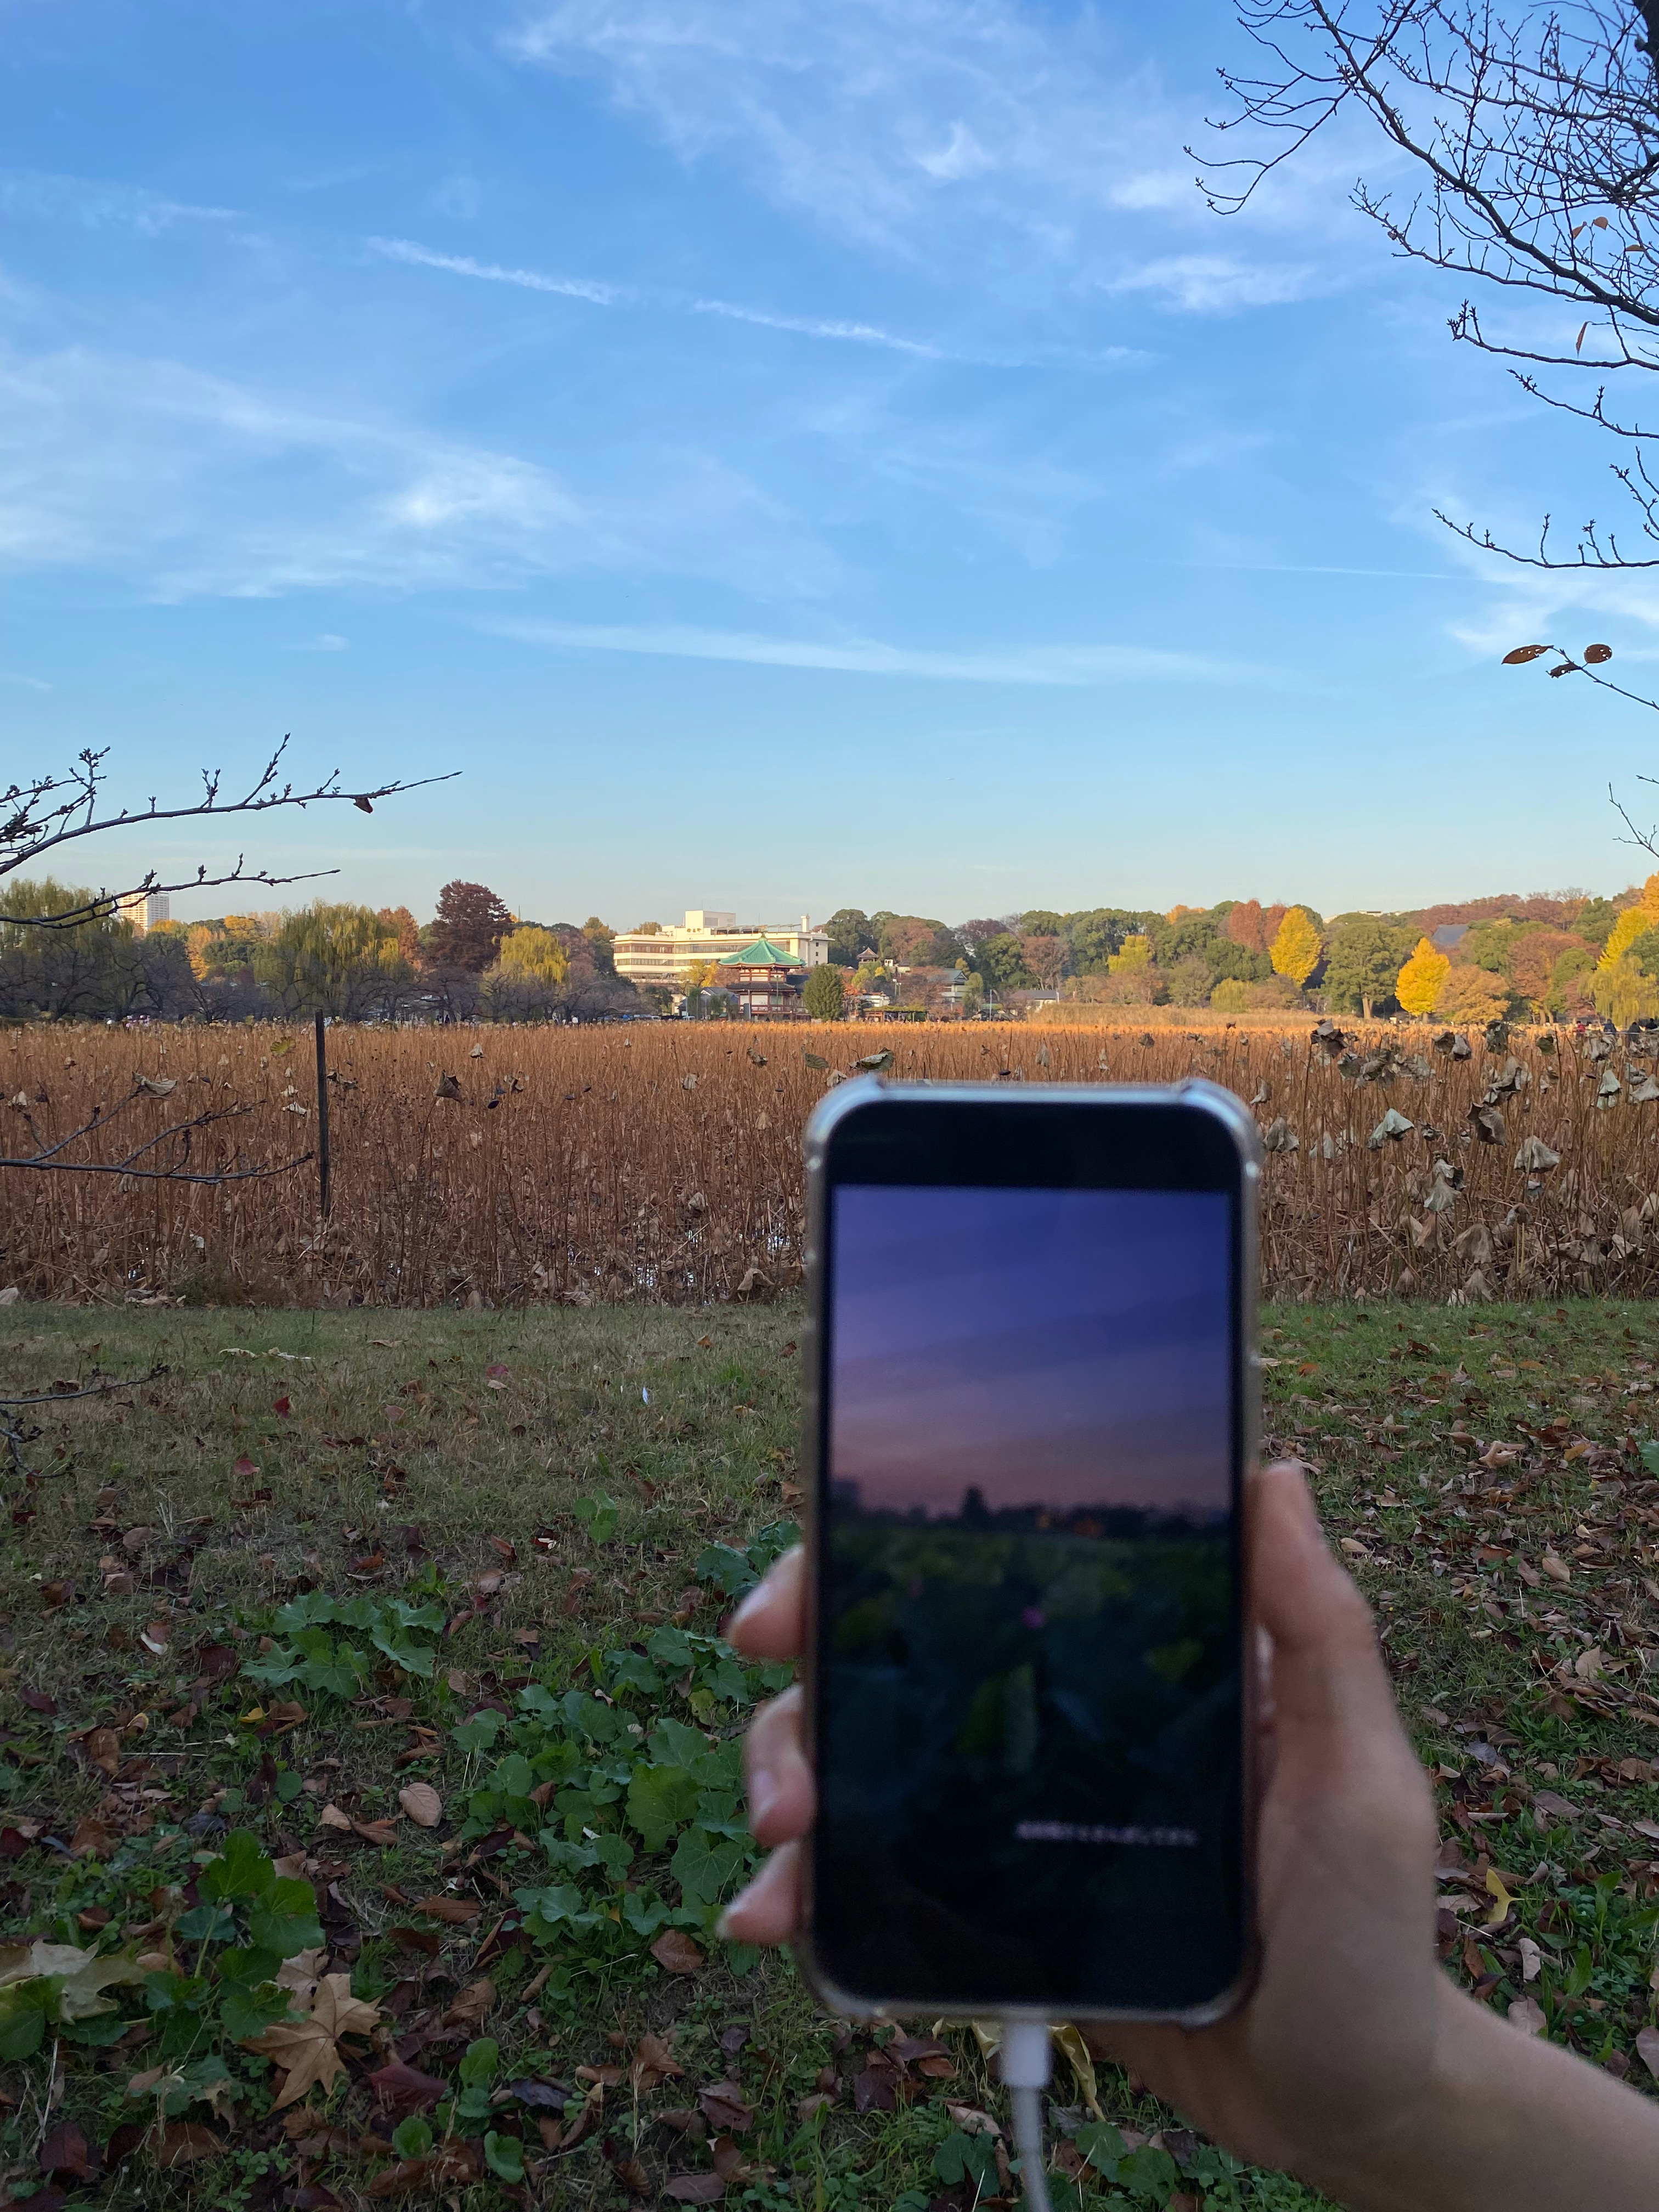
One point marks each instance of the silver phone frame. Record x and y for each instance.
(1226, 1109)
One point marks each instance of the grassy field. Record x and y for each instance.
(316, 1561)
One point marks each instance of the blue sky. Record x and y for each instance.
(787, 456)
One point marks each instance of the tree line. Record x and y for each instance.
(475, 959)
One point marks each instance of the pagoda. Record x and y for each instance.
(763, 979)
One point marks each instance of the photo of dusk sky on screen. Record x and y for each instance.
(1058, 1349)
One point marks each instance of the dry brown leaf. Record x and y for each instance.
(674, 1951)
(456, 1911)
(183, 2141)
(423, 1804)
(1526, 2015)
(332, 1817)
(1647, 2049)
(308, 2049)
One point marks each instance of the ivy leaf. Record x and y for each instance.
(241, 1869)
(285, 1921)
(703, 1868)
(660, 1799)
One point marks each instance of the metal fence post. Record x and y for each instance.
(322, 1120)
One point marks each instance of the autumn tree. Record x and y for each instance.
(824, 994)
(1296, 947)
(1421, 980)
(1044, 954)
(1252, 925)
(471, 922)
(403, 926)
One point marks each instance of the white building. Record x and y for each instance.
(668, 955)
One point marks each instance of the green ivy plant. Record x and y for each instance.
(331, 1664)
(631, 1783)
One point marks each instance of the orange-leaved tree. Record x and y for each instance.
(1420, 981)
(1297, 948)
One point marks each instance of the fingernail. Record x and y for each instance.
(762, 1795)
(756, 1602)
(723, 1925)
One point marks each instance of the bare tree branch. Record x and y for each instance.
(52, 812)
(47, 1156)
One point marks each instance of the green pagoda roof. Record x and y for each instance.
(763, 953)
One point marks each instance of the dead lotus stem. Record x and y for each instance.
(663, 1163)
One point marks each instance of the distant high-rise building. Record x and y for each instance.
(158, 907)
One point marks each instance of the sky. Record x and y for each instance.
(1061, 1348)
(784, 457)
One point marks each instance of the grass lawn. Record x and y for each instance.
(375, 1650)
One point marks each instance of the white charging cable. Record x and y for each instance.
(1025, 2059)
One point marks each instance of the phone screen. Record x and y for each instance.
(1028, 1713)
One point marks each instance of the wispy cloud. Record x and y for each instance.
(188, 485)
(1070, 665)
(1034, 140)
(101, 205)
(1218, 283)
(490, 272)
(836, 329)
(24, 683)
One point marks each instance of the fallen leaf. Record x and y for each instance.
(1532, 1959)
(1556, 1568)
(66, 2150)
(471, 2004)
(39, 1702)
(654, 2062)
(243, 1470)
(156, 1638)
(695, 2188)
(1647, 2049)
(332, 1817)
(1526, 2015)
(308, 2049)
(298, 1975)
(674, 1951)
(456, 1911)
(401, 2088)
(723, 2107)
(423, 1804)
(91, 1839)
(102, 1746)
(183, 2141)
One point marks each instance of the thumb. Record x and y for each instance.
(1327, 1669)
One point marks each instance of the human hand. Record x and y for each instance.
(1353, 2062)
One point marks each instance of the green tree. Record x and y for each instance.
(1001, 961)
(1366, 955)
(602, 940)
(824, 994)
(339, 960)
(1297, 948)
(851, 936)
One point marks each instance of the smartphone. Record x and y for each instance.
(1031, 1401)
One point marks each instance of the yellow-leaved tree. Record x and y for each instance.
(530, 955)
(1298, 947)
(1635, 921)
(1420, 981)
(1136, 952)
